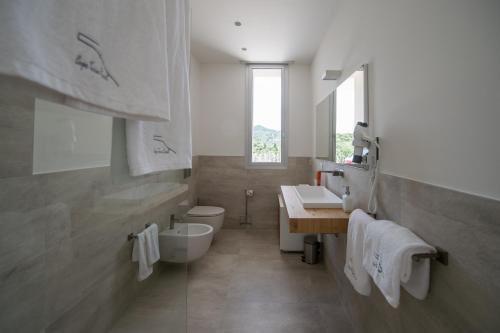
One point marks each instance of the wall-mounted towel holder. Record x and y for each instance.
(131, 236)
(440, 255)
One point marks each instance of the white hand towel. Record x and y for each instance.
(154, 147)
(139, 255)
(418, 283)
(111, 54)
(152, 248)
(353, 268)
(387, 257)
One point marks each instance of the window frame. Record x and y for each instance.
(249, 117)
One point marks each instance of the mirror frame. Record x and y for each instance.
(330, 98)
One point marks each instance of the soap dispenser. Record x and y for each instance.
(347, 201)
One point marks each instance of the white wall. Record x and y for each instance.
(434, 85)
(221, 129)
(300, 110)
(194, 91)
(222, 114)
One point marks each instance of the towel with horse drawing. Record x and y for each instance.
(158, 146)
(104, 56)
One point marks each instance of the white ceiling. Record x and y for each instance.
(272, 30)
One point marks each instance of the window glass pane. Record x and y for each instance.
(266, 115)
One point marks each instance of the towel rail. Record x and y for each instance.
(132, 236)
(440, 256)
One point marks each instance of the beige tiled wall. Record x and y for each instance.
(192, 181)
(222, 181)
(464, 296)
(64, 256)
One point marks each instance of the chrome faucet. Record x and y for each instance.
(336, 172)
(173, 220)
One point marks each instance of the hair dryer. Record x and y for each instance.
(360, 141)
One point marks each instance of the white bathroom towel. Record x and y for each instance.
(387, 256)
(353, 268)
(153, 147)
(152, 248)
(110, 54)
(139, 255)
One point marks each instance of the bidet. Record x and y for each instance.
(185, 242)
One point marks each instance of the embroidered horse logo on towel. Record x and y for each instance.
(163, 148)
(89, 62)
(378, 263)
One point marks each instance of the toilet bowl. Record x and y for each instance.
(184, 243)
(213, 216)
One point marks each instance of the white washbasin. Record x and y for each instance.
(317, 197)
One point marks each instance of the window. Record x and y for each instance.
(266, 116)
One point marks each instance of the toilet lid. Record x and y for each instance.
(205, 211)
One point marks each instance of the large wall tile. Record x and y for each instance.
(21, 194)
(96, 311)
(16, 131)
(64, 255)
(390, 186)
(23, 296)
(465, 295)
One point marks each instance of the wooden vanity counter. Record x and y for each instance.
(312, 220)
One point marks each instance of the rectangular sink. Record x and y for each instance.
(317, 197)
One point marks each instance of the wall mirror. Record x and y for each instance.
(336, 117)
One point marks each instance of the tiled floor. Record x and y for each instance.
(244, 284)
(161, 306)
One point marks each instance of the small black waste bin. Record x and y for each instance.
(311, 249)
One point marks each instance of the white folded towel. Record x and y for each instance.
(353, 268)
(387, 256)
(158, 146)
(152, 248)
(111, 54)
(139, 255)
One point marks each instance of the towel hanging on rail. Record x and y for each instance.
(152, 244)
(353, 268)
(387, 257)
(158, 146)
(101, 54)
(139, 255)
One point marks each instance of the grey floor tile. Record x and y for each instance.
(214, 265)
(271, 317)
(243, 284)
(334, 318)
(137, 320)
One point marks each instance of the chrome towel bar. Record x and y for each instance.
(131, 236)
(440, 256)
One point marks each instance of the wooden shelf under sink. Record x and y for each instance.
(312, 220)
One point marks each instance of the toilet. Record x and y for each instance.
(213, 216)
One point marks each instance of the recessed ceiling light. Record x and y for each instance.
(237, 23)
(243, 48)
